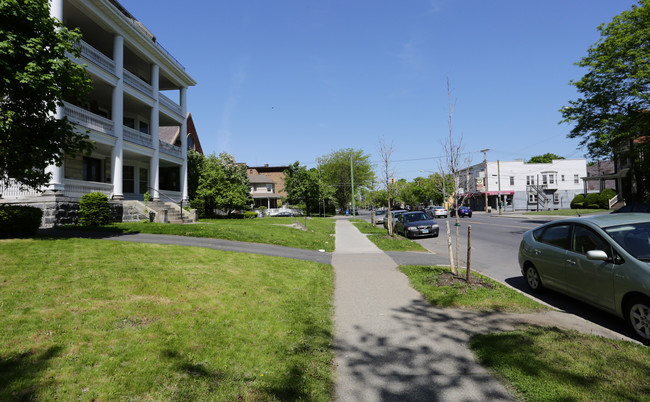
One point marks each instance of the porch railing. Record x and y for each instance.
(137, 83)
(170, 149)
(77, 188)
(613, 201)
(96, 57)
(87, 119)
(137, 137)
(180, 203)
(13, 191)
(170, 104)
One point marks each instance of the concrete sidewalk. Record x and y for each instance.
(392, 345)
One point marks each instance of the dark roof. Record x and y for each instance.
(260, 179)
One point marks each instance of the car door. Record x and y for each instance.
(550, 254)
(589, 280)
(399, 223)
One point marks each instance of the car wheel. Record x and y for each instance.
(637, 316)
(532, 278)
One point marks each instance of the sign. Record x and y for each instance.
(479, 184)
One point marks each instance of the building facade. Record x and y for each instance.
(138, 87)
(523, 186)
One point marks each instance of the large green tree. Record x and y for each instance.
(35, 77)
(336, 173)
(223, 185)
(546, 158)
(612, 110)
(303, 187)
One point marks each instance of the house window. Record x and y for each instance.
(530, 180)
(92, 169)
(556, 198)
(129, 122)
(562, 177)
(144, 127)
(512, 180)
(269, 188)
(532, 198)
(128, 179)
(576, 179)
(551, 179)
(144, 180)
(544, 181)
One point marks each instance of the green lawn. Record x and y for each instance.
(568, 212)
(277, 231)
(107, 320)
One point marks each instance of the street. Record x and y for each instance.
(495, 245)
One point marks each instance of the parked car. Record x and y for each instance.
(603, 260)
(284, 214)
(394, 215)
(414, 224)
(437, 212)
(379, 216)
(462, 212)
(633, 207)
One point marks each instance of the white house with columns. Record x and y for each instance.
(138, 87)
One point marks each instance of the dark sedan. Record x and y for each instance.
(414, 224)
(603, 260)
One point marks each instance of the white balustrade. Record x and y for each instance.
(77, 188)
(170, 149)
(96, 57)
(138, 84)
(87, 119)
(137, 137)
(170, 104)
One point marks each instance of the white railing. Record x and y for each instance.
(96, 57)
(87, 119)
(135, 82)
(170, 104)
(613, 201)
(77, 188)
(170, 149)
(137, 137)
(14, 191)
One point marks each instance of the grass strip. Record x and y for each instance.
(276, 231)
(378, 236)
(101, 320)
(550, 364)
(443, 289)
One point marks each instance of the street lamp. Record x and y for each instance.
(485, 184)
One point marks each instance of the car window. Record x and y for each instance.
(556, 235)
(634, 238)
(585, 239)
(416, 217)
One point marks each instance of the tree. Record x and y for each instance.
(223, 185)
(336, 172)
(612, 110)
(546, 158)
(302, 187)
(35, 77)
(195, 162)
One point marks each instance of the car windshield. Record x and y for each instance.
(633, 237)
(416, 217)
(380, 212)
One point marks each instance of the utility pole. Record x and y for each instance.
(499, 180)
(485, 184)
(352, 182)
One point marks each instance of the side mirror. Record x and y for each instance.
(597, 255)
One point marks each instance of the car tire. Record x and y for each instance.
(533, 280)
(637, 317)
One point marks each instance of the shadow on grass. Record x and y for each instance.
(20, 374)
(84, 232)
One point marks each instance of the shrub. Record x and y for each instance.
(577, 201)
(591, 200)
(19, 220)
(250, 214)
(605, 196)
(94, 209)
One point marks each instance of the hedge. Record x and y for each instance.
(605, 196)
(577, 201)
(94, 209)
(19, 221)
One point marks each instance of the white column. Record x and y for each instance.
(118, 117)
(56, 172)
(154, 163)
(184, 143)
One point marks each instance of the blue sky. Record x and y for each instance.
(281, 81)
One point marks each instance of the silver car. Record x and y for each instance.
(603, 260)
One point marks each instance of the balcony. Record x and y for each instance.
(171, 105)
(89, 120)
(136, 83)
(137, 137)
(170, 149)
(97, 58)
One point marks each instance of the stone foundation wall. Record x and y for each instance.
(60, 210)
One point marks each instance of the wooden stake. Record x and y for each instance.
(469, 250)
(451, 252)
